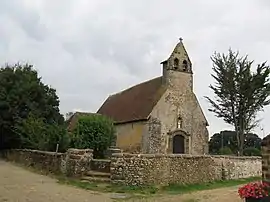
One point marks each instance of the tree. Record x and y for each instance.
(21, 93)
(228, 139)
(225, 151)
(239, 92)
(94, 132)
(252, 151)
(34, 133)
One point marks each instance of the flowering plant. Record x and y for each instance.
(254, 190)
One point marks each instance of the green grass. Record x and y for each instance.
(180, 189)
(154, 190)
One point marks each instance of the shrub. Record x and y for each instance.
(225, 151)
(94, 132)
(252, 151)
(34, 133)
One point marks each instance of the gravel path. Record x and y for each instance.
(20, 185)
(216, 195)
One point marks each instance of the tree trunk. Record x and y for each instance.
(242, 140)
(238, 139)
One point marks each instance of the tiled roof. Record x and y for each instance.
(72, 121)
(135, 103)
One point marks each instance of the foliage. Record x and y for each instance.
(94, 132)
(21, 93)
(239, 93)
(229, 139)
(225, 151)
(251, 151)
(254, 190)
(34, 133)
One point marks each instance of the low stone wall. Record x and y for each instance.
(101, 165)
(49, 162)
(240, 167)
(144, 169)
(73, 163)
(76, 162)
(147, 169)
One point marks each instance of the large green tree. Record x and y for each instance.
(34, 133)
(228, 139)
(22, 92)
(240, 93)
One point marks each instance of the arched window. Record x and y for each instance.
(176, 63)
(179, 122)
(185, 65)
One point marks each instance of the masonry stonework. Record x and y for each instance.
(165, 169)
(73, 163)
(143, 169)
(179, 101)
(153, 139)
(266, 159)
(149, 116)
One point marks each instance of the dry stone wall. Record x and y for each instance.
(48, 162)
(74, 162)
(145, 169)
(159, 169)
(266, 159)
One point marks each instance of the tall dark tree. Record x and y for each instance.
(22, 92)
(240, 93)
(228, 139)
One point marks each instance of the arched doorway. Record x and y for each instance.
(178, 144)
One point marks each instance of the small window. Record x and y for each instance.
(179, 122)
(176, 63)
(185, 65)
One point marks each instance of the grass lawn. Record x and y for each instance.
(154, 190)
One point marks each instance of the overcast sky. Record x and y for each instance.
(88, 49)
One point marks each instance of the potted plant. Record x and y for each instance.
(255, 192)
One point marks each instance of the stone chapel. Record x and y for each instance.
(161, 115)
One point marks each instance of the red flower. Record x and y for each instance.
(254, 190)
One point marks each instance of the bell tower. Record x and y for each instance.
(178, 66)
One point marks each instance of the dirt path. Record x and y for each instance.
(216, 195)
(20, 185)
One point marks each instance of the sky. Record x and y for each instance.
(89, 49)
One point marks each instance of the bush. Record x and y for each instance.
(225, 151)
(252, 151)
(34, 133)
(94, 132)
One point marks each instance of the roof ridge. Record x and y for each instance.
(136, 85)
(134, 103)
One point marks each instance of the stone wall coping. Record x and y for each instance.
(236, 157)
(78, 150)
(128, 155)
(102, 160)
(39, 152)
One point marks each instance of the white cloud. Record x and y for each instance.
(89, 49)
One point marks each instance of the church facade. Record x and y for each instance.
(161, 115)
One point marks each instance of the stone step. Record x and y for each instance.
(95, 179)
(100, 165)
(98, 174)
